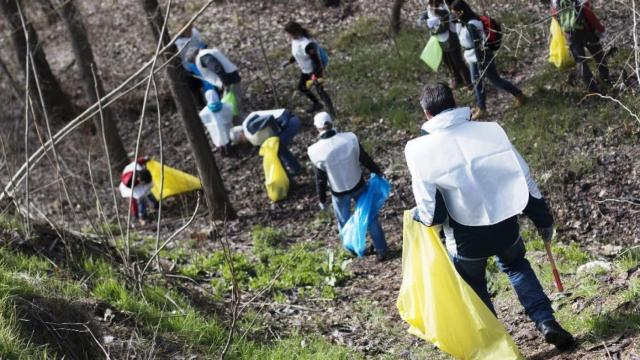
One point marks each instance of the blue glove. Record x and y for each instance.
(215, 106)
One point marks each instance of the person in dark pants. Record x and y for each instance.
(468, 177)
(582, 28)
(481, 60)
(305, 52)
(440, 23)
(261, 125)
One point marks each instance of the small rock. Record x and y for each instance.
(593, 267)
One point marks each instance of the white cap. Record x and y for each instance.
(321, 120)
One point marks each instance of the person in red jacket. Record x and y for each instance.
(139, 190)
(583, 29)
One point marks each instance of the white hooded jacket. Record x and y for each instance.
(482, 178)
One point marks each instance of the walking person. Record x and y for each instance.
(440, 23)
(480, 59)
(583, 30)
(306, 52)
(467, 176)
(338, 159)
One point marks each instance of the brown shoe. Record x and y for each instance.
(520, 101)
(478, 114)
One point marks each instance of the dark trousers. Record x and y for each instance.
(490, 72)
(452, 57)
(512, 262)
(302, 86)
(578, 41)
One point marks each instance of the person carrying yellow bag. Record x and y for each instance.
(559, 54)
(440, 307)
(468, 177)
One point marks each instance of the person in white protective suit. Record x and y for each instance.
(261, 125)
(217, 118)
(215, 68)
(338, 158)
(135, 183)
(468, 177)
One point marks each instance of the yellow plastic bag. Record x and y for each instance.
(175, 181)
(440, 307)
(275, 178)
(559, 54)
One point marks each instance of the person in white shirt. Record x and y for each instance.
(338, 158)
(468, 177)
(306, 52)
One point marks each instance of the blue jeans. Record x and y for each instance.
(342, 209)
(286, 136)
(512, 262)
(491, 73)
(142, 205)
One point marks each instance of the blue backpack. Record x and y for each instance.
(324, 55)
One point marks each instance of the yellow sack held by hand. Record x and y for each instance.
(175, 181)
(559, 54)
(440, 307)
(275, 178)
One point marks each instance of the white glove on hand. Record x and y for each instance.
(546, 233)
(433, 23)
(284, 64)
(322, 206)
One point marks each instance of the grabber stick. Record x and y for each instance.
(554, 269)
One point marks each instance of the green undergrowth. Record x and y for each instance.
(595, 306)
(276, 267)
(156, 306)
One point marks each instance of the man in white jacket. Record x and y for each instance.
(468, 177)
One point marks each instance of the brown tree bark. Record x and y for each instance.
(396, 12)
(56, 102)
(215, 193)
(86, 62)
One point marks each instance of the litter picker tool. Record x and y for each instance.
(554, 269)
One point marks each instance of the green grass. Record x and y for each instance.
(279, 267)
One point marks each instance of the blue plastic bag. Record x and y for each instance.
(354, 232)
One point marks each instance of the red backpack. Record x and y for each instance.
(493, 32)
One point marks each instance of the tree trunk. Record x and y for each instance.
(86, 62)
(396, 12)
(57, 104)
(215, 193)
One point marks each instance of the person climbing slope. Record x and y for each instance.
(141, 191)
(338, 159)
(468, 177)
(306, 53)
(583, 30)
(440, 23)
(479, 57)
(261, 125)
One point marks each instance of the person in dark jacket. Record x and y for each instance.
(440, 23)
(481, 59)
(467, 176)
(305, 51)
(583, 31)
(338, 159)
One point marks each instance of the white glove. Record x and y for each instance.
(284, 64)
(322, 206)
(433, 23)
